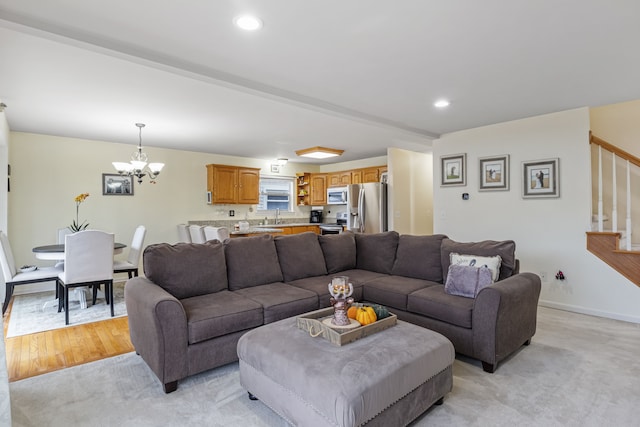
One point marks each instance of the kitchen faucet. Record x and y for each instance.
(277, 215)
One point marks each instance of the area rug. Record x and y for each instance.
(28, 316)
(578, 371)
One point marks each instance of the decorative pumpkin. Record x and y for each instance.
(381, 311)
(365, 315)
(351, 313)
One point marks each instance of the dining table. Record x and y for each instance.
(56, 252)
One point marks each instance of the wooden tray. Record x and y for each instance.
(312, 323)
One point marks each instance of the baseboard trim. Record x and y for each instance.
(589, 311)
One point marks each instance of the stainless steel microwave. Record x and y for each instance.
(337, 196)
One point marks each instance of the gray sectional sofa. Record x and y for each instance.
(197, 300)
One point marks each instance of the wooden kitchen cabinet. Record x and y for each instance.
(338, 179)
(370, 175)
(318, 189)
(233, 184)
(356, 176)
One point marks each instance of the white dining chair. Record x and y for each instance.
(88, 261)
(183, 233)
(62, 232)
(13, 276)
(219, 233)
(130, 266)
(197, 234)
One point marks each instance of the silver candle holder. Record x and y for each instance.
(340, 290)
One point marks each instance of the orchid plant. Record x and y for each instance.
(76, 225)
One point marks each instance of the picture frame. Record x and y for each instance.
(114, 184)
(275, 168)
(453, 169)
(541, 178)
(494, 173)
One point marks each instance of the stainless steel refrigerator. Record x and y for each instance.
(367, 207)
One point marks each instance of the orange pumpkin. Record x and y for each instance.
(351, 313)
(365, 315)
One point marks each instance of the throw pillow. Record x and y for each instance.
(466, 281)
(300, 256)
(506, 249)
(492, 263)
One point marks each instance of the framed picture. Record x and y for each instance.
(117, 185)
(541, 178)
(494, 173)
(275, 168)
(454, 169)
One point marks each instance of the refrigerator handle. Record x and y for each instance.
(361, 209)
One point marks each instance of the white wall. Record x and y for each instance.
(549, 233)
(410, 191)
(48, 172)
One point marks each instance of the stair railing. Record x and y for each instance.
(630, 160)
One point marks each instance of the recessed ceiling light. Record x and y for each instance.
(248, 22)
(441, 103)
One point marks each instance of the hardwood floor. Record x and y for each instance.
(42, 352)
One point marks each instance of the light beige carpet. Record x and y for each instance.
(578, 371)
(28, 315)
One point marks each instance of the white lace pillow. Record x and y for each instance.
(491, 262)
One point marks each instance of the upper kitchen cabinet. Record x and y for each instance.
(233, 184)
(337, 179)
(318, 189)
(371, 174)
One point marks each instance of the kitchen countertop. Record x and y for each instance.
(257, 230)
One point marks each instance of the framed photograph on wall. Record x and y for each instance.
(494, 173)
(541, 179)
(454, 170)
(114, 184)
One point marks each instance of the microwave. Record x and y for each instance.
(337, 196)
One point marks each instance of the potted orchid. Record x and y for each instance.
(76, 225)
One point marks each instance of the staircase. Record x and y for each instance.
(613, 245)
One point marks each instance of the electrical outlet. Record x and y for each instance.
(543, 276)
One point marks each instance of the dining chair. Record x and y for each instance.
(130, 266)
(183, 233)
(14, 277)
(219, 233)
(62, 232)
(197, 234)
(88, 261)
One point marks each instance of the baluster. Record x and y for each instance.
(614, 211)
(628, 207)
(600, 226)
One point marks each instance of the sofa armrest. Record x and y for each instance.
(158, 329)
(504, 317)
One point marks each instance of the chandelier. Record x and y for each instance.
(138, 166)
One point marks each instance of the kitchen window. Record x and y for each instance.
(276, 193)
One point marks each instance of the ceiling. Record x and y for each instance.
(358, 75)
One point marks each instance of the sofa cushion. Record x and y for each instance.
(419, 257)
(186, 269)
(376, 252)
(434, 302)
(280, 300)
(506, 249)
(492, 263)
(251, 261)
(392, 291)
(339, 251)
(300, 256)
(221, 313)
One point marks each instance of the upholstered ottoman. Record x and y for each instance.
(386, 379)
